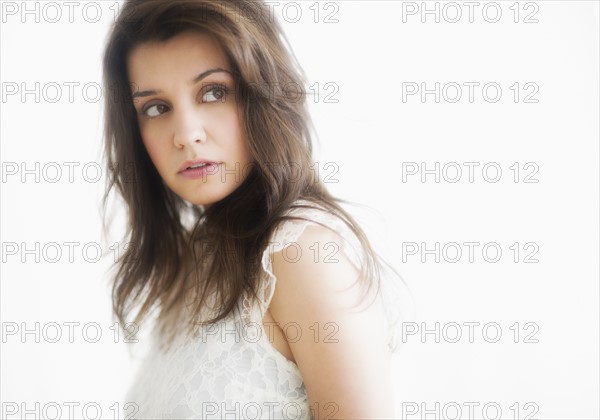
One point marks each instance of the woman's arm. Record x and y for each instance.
(341, 352)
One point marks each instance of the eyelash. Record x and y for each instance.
(217, 86)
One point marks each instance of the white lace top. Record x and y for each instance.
(231, 370)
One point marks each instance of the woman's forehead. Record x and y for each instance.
(183, 56)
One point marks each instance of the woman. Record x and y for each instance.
(252, 266)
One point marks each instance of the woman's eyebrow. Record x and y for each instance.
(196, 79)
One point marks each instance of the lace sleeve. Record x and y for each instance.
(288, 232)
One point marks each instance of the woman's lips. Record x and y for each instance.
(201, 171)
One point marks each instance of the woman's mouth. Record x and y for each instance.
(200, 170)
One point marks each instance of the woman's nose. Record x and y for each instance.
(188, 128)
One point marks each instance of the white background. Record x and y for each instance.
(373, 136)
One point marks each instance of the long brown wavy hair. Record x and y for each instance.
(166, 269)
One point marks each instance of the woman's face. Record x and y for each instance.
(189, 118)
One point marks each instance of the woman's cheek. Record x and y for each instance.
(153, 137)
(153, 147)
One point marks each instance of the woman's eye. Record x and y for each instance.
(155, 110)
(214, 94)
